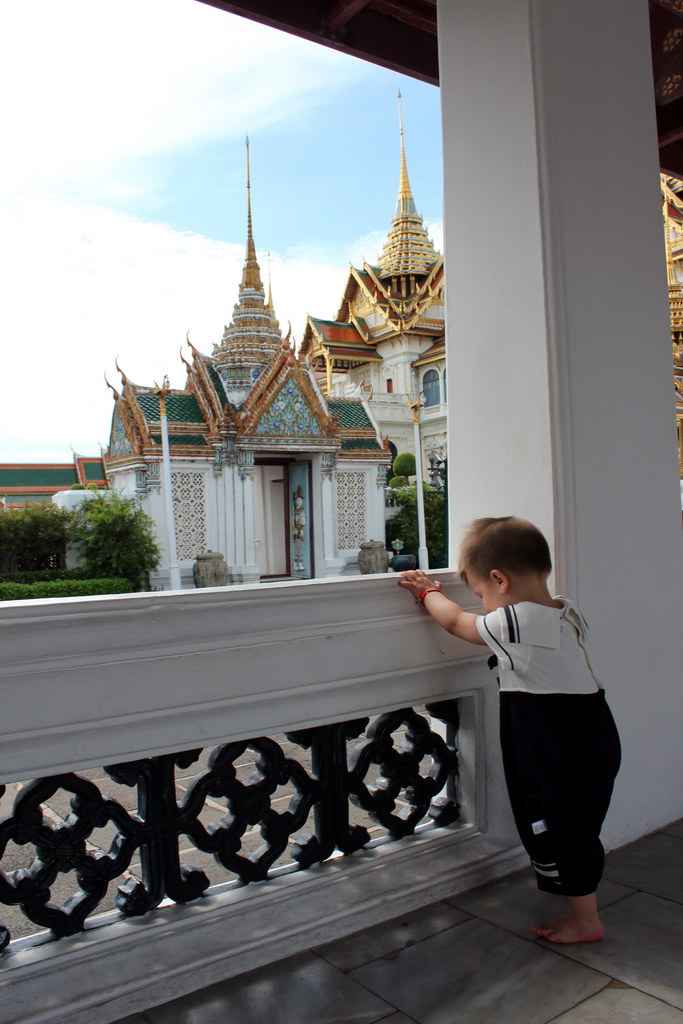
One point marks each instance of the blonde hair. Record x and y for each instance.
(508, 543)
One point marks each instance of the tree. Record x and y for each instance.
(404, 464)
(117, 537)
(403, 523)
(34, 537)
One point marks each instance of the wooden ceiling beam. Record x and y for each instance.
(670, 123)
(369, 34)
(671, 159)
(418, 13)
(342, 12)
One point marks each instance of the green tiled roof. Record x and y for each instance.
(349, 414)
(37, 476)
(94, 470)
(181, 439)
(352, 444)
(179, 408)
(216, 381)
(28, 499)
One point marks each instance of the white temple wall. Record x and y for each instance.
(359, 508)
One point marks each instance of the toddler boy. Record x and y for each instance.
(560, 745)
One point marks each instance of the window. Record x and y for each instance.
(390, 386)
(431, 387)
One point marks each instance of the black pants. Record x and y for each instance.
(561, 754)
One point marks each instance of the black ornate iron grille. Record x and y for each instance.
(238, 810)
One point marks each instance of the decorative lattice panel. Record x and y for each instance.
(189, 509)
(351, 509)
(130, 835)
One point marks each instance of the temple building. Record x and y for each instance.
(24, 483)
(387, 340)
(282, 479)
(672, 206)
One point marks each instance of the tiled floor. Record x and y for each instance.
(472, 960)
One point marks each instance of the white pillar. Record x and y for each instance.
(333, 564)
(422, 553)
(245, 569)
(167, 487)
(560, 378)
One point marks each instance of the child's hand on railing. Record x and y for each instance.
(418, 583)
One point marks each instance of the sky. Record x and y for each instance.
(123, 194)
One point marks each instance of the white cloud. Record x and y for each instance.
(86, 284)
(93, 84)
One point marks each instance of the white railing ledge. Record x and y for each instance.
(92, 681)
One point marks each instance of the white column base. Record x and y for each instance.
(244, 574)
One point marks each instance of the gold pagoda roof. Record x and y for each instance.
(408, 248)
(253, 336)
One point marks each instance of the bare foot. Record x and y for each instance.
(570, 929)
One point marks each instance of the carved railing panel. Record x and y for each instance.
(317, 791)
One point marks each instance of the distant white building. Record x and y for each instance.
(387, 342)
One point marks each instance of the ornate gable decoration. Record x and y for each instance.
(119, 442)
(286, 407)
(288, 415)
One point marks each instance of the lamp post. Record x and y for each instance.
(422, 554)
(173, 567)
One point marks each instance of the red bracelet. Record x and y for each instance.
(431, 590)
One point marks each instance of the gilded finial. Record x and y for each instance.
(161, 392)
(415, 406)
(190, 368)
(124, 379)
(116, 394)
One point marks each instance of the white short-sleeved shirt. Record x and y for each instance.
(540, 649)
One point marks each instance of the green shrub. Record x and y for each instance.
(91, 487)
(404, 464)
(77, 487)
(403, 523)
(63, 588)
(398, 481)
(34, 537)
(43, 576)
(117, 536)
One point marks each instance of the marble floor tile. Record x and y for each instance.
(674, 829)
(622, 1005)
(642, 946)
(301, 990)
(515, 903)
(634, 865)
(391, 936)
(476, 972)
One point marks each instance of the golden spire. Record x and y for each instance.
(405, 203)
(251, 276)
(408, 248)
(253, 336)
